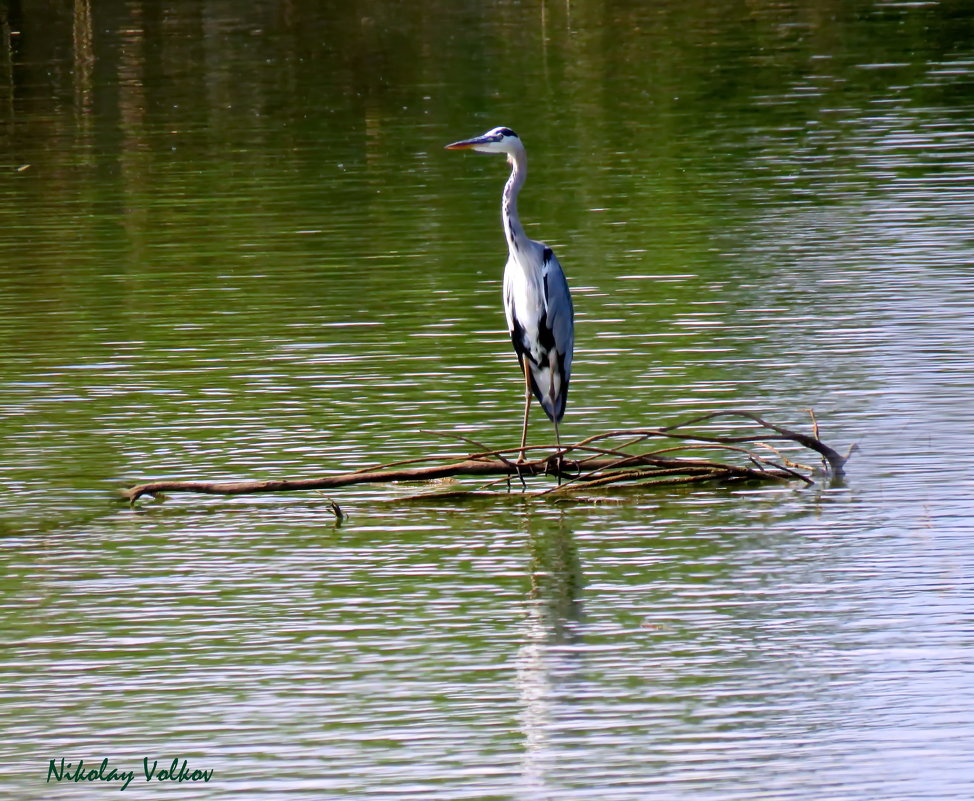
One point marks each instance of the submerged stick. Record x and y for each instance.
(466, 467)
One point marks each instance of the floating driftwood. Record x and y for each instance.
(605, 460)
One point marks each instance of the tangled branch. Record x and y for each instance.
(599, 461)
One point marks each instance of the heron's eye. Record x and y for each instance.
(506, 132)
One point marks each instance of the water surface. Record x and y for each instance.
(232, 246)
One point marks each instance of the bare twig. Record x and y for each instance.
(835, 462)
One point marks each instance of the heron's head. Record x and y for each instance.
(496, 140)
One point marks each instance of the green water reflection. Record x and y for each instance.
(234, 218)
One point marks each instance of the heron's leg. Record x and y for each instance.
(527, 410)
(558, 449)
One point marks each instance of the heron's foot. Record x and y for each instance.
(521, 462)
(558, 466)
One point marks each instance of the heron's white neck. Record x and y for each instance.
(516, 238)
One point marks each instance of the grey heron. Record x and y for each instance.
(537, 302)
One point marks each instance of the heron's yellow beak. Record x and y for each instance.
(464, 144)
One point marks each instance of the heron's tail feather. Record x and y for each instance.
(549, 383)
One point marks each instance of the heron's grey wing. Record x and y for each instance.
(559, 310)
(540, 319)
